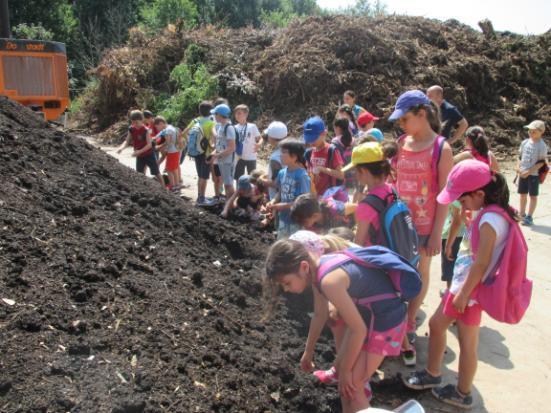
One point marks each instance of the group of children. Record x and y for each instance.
(408, 200)
(359, 218)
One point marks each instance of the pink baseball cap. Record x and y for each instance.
(466, 176)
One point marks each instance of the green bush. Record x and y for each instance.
(192, 87)
(159, 13)
(32, 32)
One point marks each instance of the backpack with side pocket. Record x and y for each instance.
(397, 230)
(506, 291)
(197, 141)
(404, 276)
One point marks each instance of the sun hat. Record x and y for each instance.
(365, 153)
(466, 176)
(365, 118)
(375, 133)
(406, 101)
(313, 128)
(276, 130)
(222, 110)
(310, 240)
(244, 183)
(536, 124)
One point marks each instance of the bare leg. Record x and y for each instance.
(415, 303)
(533, 205)
(338, 334)
(365, 366)
(438, 326)
(160, 179)
(468, 355)
(202, 187)
(523, 201)
(229, 191)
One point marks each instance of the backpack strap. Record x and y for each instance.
(327, 266)
(436, 155)
(308, 155)
(475, 231)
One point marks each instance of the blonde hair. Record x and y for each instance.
(333, 243)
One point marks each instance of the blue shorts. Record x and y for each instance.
(150, 161)
(529, 185)
(226, 171)
(202, 167)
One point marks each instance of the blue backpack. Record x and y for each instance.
(397, 231)
(197, 141)
(404, 276)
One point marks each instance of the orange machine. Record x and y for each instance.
(34, 73)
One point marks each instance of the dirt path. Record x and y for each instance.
(513, 372)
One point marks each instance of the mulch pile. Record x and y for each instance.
(116, 296)
(498, 80)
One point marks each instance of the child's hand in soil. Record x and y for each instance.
(224, 214)
(306, 363)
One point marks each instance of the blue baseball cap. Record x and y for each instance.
(406, 101)
(222, 110)
(313, 128)
(375, 133)
(244, 183)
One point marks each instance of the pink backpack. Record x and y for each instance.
(505, 293)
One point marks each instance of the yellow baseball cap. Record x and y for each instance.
(365, 153)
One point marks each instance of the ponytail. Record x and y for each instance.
(497, 192)
(346, 136)
(433, 115)
(479, 140)
(348, 110)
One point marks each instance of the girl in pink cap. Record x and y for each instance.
(477, 188)
(422, 165)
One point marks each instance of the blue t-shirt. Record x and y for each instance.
(450, 117)
(366, 282)
(290, 185)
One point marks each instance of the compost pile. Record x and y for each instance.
(499, 80)
(116, 296)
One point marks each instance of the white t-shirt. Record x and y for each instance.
(530, 153)
(248, 135)
(465, 260)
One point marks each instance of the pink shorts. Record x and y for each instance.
(386, 343)
(471, 316)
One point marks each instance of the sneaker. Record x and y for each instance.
(528, 220)
(327, 376)
(201, 201)
(409, 357)
(421, 380)
(450, 395)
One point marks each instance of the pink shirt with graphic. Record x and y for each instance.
(414, 184)
(365, 212)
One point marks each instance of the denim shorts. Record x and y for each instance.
(226, 171)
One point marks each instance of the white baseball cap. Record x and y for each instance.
(536, 124)
(276, 130)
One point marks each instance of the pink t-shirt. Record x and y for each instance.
(414, 184)
(365, 212)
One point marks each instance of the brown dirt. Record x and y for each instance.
(499, 81)
(119, 306)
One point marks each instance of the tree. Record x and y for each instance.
(159, 13)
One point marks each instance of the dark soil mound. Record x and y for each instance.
(499, 80)
(127, 299)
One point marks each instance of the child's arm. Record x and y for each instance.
(229, 205)
(445, 165)
(479, 267)
(494, 165)
(455, 226)
(362, 232)
(334, 286)
(462, 157)
(317, 323)
(125, 144)
(335, 173)
(350, 208)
